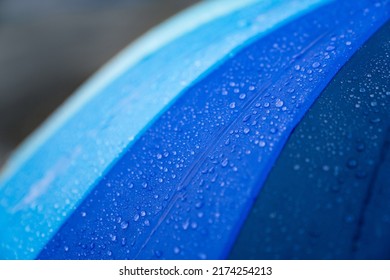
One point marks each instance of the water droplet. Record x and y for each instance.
(242, 96)
(246, 130)
(124, 225)
(326, 168)
(159, 156)
(330, 48)
(246, 118)
(349, 218)
(316, 64)
(225, 162)
(272, 215)
(202, 256)
(136, 217)
(176, 250)
(198, 204)
(348, 43)
(185, 224)
(360, 147)
(232, 105)
(375, 120)
(83, 214)
(262, 144)
(279, 103)
(352, 163)
(361, 174)
(143, 213)
(158, 253)
(290, 90)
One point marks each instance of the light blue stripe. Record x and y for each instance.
(60, 164)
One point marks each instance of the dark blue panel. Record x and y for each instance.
(184, 188)
(328, 195)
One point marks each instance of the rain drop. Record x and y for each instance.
(202, 256)
(290, 90)
(316, 64)
(262, 144)
(360, 147)
(326, 168)
(225, 162)
(158, 253)
(185, 224)
(198, 204)
(352, 163)
(279, 103)
(176, 250)
(124, 225)
(375, 120)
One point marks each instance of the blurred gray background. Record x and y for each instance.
(49, 47)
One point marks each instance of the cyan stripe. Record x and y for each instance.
(59, 166)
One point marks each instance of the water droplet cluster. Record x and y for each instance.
(184, 186)
(334, 203)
